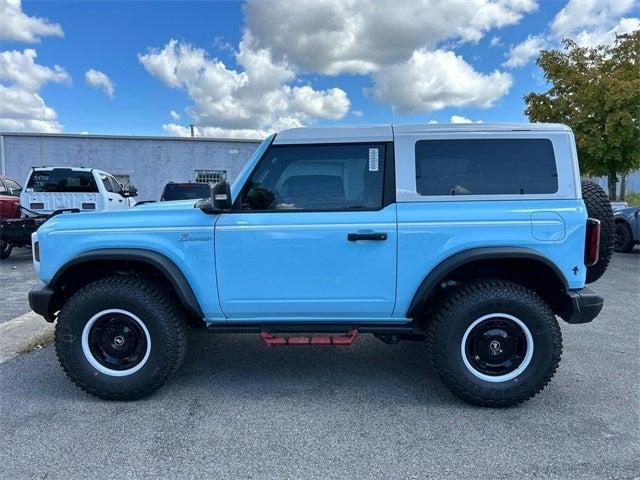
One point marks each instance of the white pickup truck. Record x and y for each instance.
(48, 189)
(52, 190)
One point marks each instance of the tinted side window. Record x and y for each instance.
(317, 177)
(3, 189)
(485, 167)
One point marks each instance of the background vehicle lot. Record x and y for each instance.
(239, 410)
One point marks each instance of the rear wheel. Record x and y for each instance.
(120, 338)
(624, 238)
(5, 249)
(599, 207)
(494, 343)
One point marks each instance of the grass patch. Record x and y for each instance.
(632, 198)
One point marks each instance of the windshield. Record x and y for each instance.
(61, 180)
(185, 191)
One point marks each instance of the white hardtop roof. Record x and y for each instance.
(384, 133)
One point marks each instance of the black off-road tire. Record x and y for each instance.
(457, 313)
(624, 238)
(153, 304)
(599, 207)
(5, 250)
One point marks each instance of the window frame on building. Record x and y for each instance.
(210, 176)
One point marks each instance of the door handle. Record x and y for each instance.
(375, 236)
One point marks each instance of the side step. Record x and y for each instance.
(344, 339)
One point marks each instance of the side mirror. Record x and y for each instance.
(131, 191)
(219, 201)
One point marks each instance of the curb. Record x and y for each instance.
(23, 334)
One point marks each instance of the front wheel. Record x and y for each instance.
(494, 343)
(5, 249)
(624, 238)
(120, 338)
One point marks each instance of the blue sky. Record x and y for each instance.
(462, 65)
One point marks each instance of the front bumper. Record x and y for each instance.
(40, 301)
(582, 306)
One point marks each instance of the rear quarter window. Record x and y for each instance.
(485, 167)
(61, 181)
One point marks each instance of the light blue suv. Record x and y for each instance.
(471, 237)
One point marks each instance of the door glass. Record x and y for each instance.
(117, 188)
(12, 187)
(318, 178)
(106, 183)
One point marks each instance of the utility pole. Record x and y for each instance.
(193, 132)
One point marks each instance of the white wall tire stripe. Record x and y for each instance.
(86, 350)
(511, 375)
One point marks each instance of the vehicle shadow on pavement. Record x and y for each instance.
(369, 370)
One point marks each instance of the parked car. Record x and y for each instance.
(52, 190)
(471, 237)
(9, 208)
(627, 228)
(617, 205)
(185, 191)
(48, 189)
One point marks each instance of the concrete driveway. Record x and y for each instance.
(239, 410)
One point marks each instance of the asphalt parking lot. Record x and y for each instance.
(16, 279)
(239, 410)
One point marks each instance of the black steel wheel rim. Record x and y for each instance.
(117, 341)
(620, 237)
(496, 346)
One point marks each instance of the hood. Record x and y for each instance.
(626, 211)
(170, 205)
(179, 213)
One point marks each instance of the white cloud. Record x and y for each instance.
(247, 103)
(589, 23)
(433, 80)
(496, 41)
(21, 106)
(588, 14)
(84, 132)
(100, 80)
(594, 22)
(358, 36)
(175, 130)
(21, 110)
(520, 54)
(20, 69)
(357, 113)
(461, 119)
(593, 38)
(16, 26)
(175, 115)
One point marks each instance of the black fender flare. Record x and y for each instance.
(440, 271)
(159, 261)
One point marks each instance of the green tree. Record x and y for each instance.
(596, 92)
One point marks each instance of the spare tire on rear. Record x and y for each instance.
(599, 207)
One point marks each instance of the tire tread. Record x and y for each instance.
(468, 295)
(152, 295)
